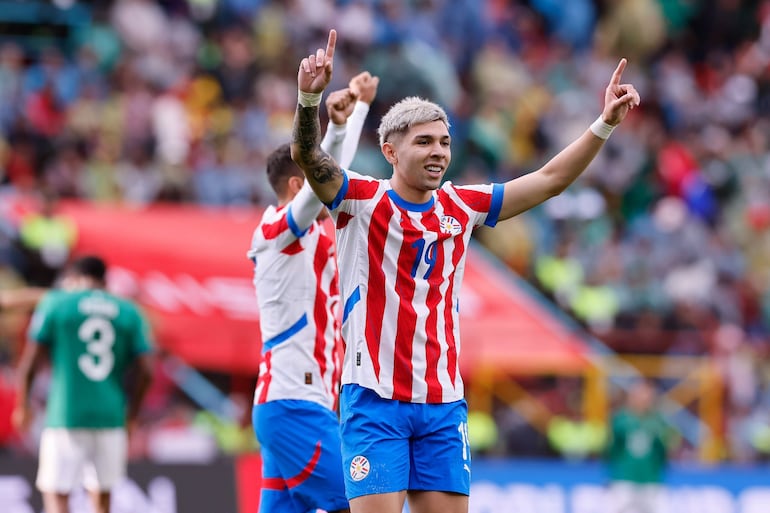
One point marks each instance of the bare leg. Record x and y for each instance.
(100, 501)
(380, 502)
(56, 502)
(437, 502)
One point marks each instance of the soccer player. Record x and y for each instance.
(92, 339)
(402, 245)
(637, 453)
(295, 277)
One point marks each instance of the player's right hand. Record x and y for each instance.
(340, 104)
(315, 70)
(365, 85)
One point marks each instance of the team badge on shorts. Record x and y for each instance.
(359, 468)
(450, 225)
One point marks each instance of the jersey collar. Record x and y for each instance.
(408, 205)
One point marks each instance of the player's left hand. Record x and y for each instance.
(315, 71)
(619, 98)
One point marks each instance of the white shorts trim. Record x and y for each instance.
(97, 458)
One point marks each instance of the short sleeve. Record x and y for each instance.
(483, 202)
(41, 326)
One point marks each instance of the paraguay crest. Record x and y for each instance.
(450, 225)
(359, 468)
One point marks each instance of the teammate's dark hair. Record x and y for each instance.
(91, 266)
(280, 168)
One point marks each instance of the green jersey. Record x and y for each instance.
(637, 451)
(93, 337)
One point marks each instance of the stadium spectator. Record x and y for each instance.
(569, 432)
(47, 238)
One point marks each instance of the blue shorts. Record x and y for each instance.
(390, 446)
(301, 460)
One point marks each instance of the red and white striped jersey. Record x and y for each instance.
(295, 277)
(401, 267)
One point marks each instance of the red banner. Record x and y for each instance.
(187, 266)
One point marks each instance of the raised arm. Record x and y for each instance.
(557, 174)
(364, 85)
(339, 106)
(321, 171)
(342, 108)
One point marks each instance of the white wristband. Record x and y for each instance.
(309, 99)
(601, 129)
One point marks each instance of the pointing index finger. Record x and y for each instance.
(331, 44)
(618, 72)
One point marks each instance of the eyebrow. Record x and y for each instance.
(430, 136)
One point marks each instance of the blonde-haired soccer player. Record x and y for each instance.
(401, 246)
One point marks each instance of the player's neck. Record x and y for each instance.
(409, 193)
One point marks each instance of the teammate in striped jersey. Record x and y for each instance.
(401, 244)
(295, 276)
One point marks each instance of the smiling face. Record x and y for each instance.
(420, 157)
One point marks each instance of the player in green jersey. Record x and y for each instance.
(92, 338)
(637, 454)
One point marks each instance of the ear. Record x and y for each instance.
(294, 184)
(390, 153)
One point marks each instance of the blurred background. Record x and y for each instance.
(139, 129)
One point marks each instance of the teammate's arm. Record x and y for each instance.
(364, 86)
(322, 171)
(339, 106)
(558, 173)
(32, 357)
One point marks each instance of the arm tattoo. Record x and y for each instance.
(306, 147)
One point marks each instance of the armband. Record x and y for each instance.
(309, 99)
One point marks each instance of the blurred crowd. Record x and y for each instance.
(662, 247)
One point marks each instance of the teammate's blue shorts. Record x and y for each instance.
(301, 460)
(389, 446)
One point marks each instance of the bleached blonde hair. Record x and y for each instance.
(407, 113)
